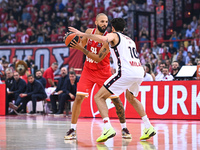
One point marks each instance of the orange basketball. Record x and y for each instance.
(69, 37)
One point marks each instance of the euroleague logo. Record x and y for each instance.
(110, 105)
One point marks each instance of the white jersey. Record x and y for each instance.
(125, 57)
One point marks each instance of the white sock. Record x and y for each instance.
(123, 125)
(146, 121)
(73, 126)
(107, 124)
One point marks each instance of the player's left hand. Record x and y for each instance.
(76, 45)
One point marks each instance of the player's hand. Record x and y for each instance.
(65, 36)
(77, 32)
(76, 45)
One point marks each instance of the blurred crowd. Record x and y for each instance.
(46, 21)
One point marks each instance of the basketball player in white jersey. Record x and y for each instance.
(129, 75)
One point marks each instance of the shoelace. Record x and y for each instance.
(70, 131)
(126, 130)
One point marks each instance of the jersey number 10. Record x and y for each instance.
(133, 52)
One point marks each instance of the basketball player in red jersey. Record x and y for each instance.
(95, 72)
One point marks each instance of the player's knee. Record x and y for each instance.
(79, 99)
(96, 97)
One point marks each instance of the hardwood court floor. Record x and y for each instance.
(47, 132)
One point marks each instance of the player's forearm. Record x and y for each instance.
(95, 37)
(91, 55)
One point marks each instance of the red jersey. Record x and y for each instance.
(94, 47)
(48, 74)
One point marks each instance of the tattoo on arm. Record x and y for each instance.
(107, 40)
(102, 53)
(85, 51)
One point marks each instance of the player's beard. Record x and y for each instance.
(100, 29)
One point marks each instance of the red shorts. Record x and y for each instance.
(90, 77)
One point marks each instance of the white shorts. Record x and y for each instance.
(117, 84)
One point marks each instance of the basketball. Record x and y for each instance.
(69, 37)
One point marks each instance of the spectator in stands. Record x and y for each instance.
(175, 69)
(34, 91)
(175, 37)
(197, 31)
(189, 49)
(161, 48)
(4, 31)
(188, 58)
(29, 61)
(40, 19)
(166, 53)
(3, 16)
(147, 76)
(49, 76)
(148, 69)
(64, 21)
(166, 75)
(168, 64)
(33, 38)
(194, 23)
(18, 35)
(38, 76)
(99, 9)
(143, 35)
(72, 86)
(159, 71)
(3, 72)
(24, 37)
(9, 79)
(182, 52)
(180, 60)
(10, 40)
(26, 15)
(54, 36)
(189, 32)
(194, 52)
(60, 5)
(172, 49)
(183, 31)
(31, 64)
(116, 12)
(90, 23)
(155, 48)
(60, 93)
(3, 59)
(14, 60)
(12, 30)
(19, 86)
(29, 29)
(45, 6)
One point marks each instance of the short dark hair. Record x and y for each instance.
(72, 73)
(148, 66)
(30, 75)
(166, 68)
(4, 57)
(118, 24)
(55, 64)
(38, 71)
(162, 63)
